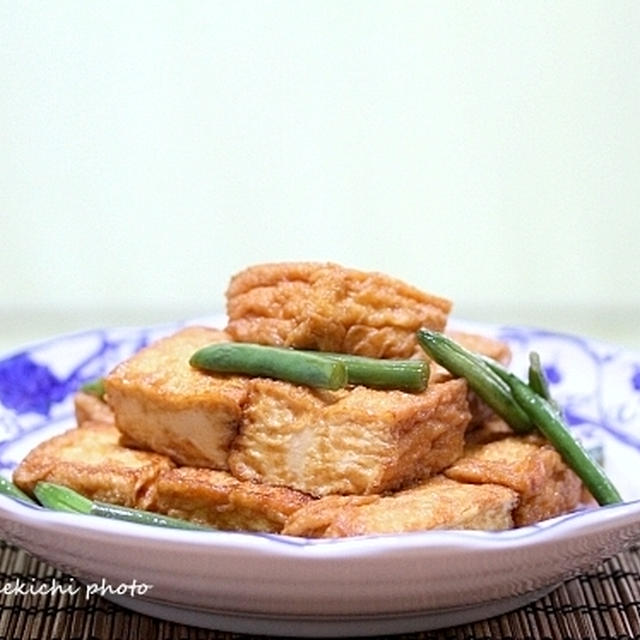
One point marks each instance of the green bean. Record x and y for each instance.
(537, 378)
(540, 412)
(141, 516)
(545, 416)
(485, 382)
(94, 387)
(300, 367)
(378, 373)
(60, 498)
(7, 488)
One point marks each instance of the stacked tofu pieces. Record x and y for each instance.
(257, 454)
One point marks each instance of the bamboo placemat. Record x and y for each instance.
(603, 603)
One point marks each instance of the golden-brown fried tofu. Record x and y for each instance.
(495, 428)
(90, 408)
(526, 464)
(438, 503)
(483, 345)
(324, 306)
(163, 404)
(357, 441)
(217, 499)
(91, 461)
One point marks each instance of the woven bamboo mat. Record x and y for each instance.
(603, 603)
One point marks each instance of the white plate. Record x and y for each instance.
(269, 584)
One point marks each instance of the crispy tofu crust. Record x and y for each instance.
(484, 345)
(90, 408)
(528, 465)
(217, 499)
(163, 404)
(92, 461)
(439, 503)
(358, 441)
(324, 306)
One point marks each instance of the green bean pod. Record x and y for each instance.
(378, 373)
(140, 516)
(537, 378)
(95, 388)
(7, 488)
(545, 416)
(485, 382)
(61, 498)
(300, 367)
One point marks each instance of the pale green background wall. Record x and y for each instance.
(486, 151)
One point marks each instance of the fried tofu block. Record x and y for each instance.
(324, 306)
(357, 441)
(90, 408)
(438, 503)
(483, 345)
(163, 404)
(92, 461)
(528, 465)
(217, 499)
(494, 428)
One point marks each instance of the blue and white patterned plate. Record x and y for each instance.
(277, 585)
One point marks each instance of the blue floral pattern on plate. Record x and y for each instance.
(26, 386)
(37, 384)
(596, 384)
